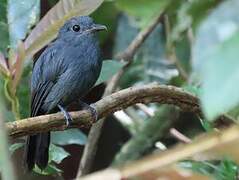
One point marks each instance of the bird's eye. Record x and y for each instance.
(76, 28)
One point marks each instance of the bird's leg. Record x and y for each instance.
(91, 108)
(66, 114)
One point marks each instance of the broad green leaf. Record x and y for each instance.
(215, 59)
(205, 167)
(227, 170)
(51, 169)
(4, 36)
(190, 14)
(14, 147)
(57, 154)
(3, 10)
(220, 170)
(46, 30)
(70, 136)
(110, 67)
(21, 16)
(23, 92)
(143, 10)
(219, 77)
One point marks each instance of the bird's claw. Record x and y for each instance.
(66, 114)
(92, 110)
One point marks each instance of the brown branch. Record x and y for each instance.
(109, 104)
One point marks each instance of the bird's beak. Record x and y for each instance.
(99, 27)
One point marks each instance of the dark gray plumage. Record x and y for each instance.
(65, 71)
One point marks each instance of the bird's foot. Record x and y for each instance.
(92, 110)
(66, 114)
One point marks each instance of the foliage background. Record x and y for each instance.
(195, 46)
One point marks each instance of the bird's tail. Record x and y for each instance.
(36, 150)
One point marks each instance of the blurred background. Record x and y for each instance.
(191, 44)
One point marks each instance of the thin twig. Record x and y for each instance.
(122, 99)
(145, 109)
(128, 54)
(181, 137)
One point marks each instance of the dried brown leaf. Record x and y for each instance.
(18, 66)
(46, 30)
(3, 65)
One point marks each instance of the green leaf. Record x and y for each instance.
(227, 170)
(14, 147)
(109, 68)
(3, 10)
(70, 136)
(57, 154)
(208, 127)
(46, 30)
(204, 167)
(4, 36)
(215, 59)
(23, 92)
(143, 10)
(190, 14)
(21, 16)
(50, 170)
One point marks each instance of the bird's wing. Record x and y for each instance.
(38, 97)
(45, 72)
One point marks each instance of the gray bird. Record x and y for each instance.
(65, 71)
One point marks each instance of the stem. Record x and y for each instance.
(11, 96)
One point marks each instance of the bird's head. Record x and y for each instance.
(80, 26)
